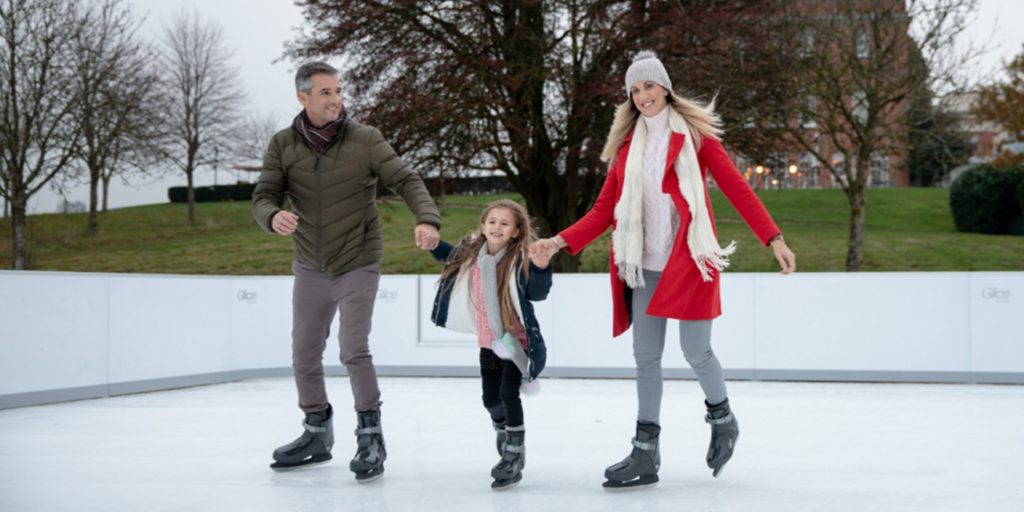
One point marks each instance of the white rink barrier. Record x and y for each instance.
(66, 336)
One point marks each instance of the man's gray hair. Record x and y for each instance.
(303, 77)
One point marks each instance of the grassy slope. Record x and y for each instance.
(907, 229)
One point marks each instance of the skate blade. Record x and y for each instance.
(366, 478)
(632, 485)
(718, 472)
(283, 467)
(504, 485)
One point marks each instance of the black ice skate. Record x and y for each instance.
(368, 463)
(509, 469)
(725, 430)
(498, 411)
(313, 447)
(640, 467)
(499, 434)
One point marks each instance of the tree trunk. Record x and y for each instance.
(93, 222)
(553, 214)
(855, 249)
(20, 227)
(565, 262)
(106, 191)
(442, 204)
(191, 200)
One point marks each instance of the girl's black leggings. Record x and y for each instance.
(501, 380)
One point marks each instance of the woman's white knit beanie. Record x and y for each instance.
(646, 66)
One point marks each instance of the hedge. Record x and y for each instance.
(988, 200)
(239, 192)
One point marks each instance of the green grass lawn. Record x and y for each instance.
(907, 229)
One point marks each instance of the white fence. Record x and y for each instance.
(75, 335)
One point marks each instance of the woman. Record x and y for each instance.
(665, 257)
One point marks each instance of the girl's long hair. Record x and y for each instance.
(702, 119)
(516, 252)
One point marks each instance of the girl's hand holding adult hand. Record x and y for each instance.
(539, 254)
(542, 250)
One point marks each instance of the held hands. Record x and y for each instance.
(284, 222)
(785, 257)
(427, 237)
(542, 250)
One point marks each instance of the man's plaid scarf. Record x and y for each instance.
(319, 138)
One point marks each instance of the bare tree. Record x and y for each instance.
(37, 125)
(7, 204)
(856, 79)
(134, 154)
(204, 94)
(257, 131)
(114, 80)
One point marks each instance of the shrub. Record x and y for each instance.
(239, 192)
(1020, 195)
(986, 200)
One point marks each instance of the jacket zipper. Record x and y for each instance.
(319, 213)
(319, 219)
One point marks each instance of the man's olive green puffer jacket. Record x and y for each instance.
(334, 195)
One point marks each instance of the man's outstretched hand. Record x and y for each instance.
(427, 237)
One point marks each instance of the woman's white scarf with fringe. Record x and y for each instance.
(628, 236)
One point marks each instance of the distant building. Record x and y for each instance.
(250, 170)
(988, 138)
(791, 167)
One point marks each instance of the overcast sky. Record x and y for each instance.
(257, 29)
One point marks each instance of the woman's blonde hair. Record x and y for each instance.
(517, 251)
(702, 119)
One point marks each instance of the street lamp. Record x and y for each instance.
(760, 176)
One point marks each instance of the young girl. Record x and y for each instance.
(486, 289)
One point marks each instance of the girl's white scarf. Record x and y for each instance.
(628, 236)
(504, 344)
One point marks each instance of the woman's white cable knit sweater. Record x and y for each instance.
(660, 219)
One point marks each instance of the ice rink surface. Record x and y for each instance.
(803, 446)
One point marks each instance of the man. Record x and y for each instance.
(328, 166)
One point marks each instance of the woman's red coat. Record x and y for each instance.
(681, 293)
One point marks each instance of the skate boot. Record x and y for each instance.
(368, 463)
(724, 432)
(499, 434)
(509, 469)
(312, 447)
(499, 426)
(640, 467)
